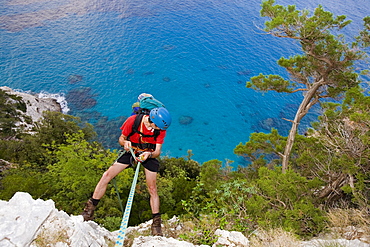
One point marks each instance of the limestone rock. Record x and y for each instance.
(233, 239)
(30, 223)
(36, 105)
(21, 218)
(150, 241)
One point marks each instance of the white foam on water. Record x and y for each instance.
(60, 98)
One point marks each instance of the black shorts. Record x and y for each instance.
(151, 164)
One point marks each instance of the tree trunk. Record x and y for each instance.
(334, 185)
(304, 107)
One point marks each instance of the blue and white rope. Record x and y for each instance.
(126, 215)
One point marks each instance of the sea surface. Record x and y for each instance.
(194, 56)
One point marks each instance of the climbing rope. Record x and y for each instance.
(126, 215)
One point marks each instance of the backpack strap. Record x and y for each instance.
(136, 126)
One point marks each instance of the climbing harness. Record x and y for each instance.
(126, 215)
(136, 127)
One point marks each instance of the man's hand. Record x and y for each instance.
(144, 156)
(126, 145)
(124, 142)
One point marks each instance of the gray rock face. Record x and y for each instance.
(35, 105)
(28, 222)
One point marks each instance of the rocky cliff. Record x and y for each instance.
(36, 104)
(35, 223)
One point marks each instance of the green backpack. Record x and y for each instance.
(146, 104)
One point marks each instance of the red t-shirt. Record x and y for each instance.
(136, 138)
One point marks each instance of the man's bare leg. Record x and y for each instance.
(108, 175)
(151, 181)
(100, 189)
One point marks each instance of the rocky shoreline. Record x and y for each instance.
(35, 105)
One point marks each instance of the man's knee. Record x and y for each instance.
(106, 177)
(109, 174)
(152, 190)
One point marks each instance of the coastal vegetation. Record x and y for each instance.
(301, 184)
(325, 69)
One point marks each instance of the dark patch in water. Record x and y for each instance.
(166, 79)
(73, 79)
(81, 98)
(169, 47)
(185, 120)
(130, 71)
(244, 72)
(148, 73)
(222, 67)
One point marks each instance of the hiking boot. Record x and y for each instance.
(157, 226)
(89, 209)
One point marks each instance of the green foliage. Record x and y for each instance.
(262, 149)
(210, 175)
(22, 179)
(326, 67)
(55, 125)
(284, 200)
(364, 38)
(334, 156)
(172, 167)
(34, 149)
(111, 223)
(231, 205)
(338, 150)
(33, 153)
(200, 231)
(202, 197)
(272, 199)
(77, 170)
(12, 109)
(265, 83)
(326, 56)
(9, 150)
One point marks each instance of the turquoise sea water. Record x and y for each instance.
(194, 56)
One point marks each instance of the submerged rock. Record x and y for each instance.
(166, 79)
(81, 98)
(130, 71)
(169, 47)
(73, 79)
(244, 72)
(185, 120)
(267, 123)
